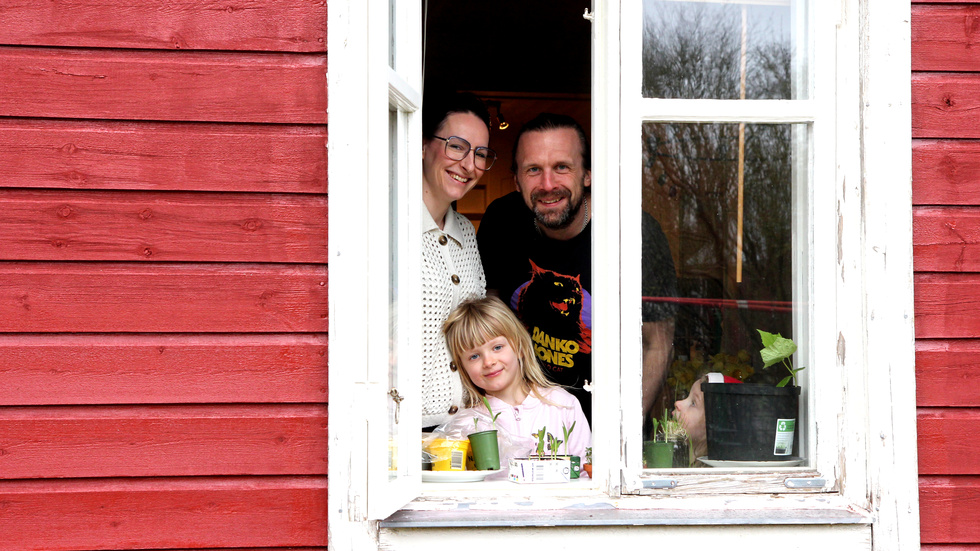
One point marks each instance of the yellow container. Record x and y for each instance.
(449, 455)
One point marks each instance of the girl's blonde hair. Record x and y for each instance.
(475, 322)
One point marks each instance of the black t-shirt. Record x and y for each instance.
(548, 283)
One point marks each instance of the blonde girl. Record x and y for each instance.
(496, 359)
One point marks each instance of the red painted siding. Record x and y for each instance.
(163, 275)
(169, 86)
(37, 153)
(162, 369)
(946, 244)
(164, 513)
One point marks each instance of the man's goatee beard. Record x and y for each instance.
(564, 218)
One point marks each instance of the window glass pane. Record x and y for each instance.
(724, 195)
(720, 49)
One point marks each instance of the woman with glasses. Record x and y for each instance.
(455, 154)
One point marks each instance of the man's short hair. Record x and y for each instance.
(437, 107)
(554, 121)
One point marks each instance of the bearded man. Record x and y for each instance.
(536, 249)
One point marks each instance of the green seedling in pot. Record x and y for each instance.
(779, 349)
(667, 427)
(540, 435)
(567, 432)
(553, 443)
(493, 417)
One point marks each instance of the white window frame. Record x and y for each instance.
(865, 335)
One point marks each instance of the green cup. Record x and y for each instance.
(658, 455)
(483, 446)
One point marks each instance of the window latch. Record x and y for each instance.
(805, 482)
(588, 16)
(659, 484)
(398, 401)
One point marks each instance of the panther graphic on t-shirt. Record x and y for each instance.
(551, 306)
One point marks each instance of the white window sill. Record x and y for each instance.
(596, 509)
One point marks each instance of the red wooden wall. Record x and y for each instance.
(163, 279)
(946, 242)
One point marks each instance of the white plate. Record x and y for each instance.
(720, 463)
(456, 476)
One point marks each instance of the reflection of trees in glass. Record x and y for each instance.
(691, 174)
(693, 50)
(695, 167)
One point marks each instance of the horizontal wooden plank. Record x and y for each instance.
(946, 239)
(947, 373)
(251, 549)
(284, 25)
(164, 513)
(949, 441)
(949, 509)
(945, 38)
(152, 226)
(162, 369)
(946, 172)
(163, 156)
(164, 86)
(167, 298)
(143, 441)
(946, 305)
(948, 547)
(945, 105)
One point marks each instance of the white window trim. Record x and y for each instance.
(873, 337)
(881, 215)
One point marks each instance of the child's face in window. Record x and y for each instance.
(690, 413)
(495, 368)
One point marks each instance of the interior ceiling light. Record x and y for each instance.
(501, 122)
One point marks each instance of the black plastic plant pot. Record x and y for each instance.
(751, 422)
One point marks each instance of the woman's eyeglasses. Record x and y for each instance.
(457, 149)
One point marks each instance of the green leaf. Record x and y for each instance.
(493, 418)
(767, 338)
(777, 350)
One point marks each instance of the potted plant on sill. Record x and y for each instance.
(574, 461)
(483, 444)
(543, 466)
(755, 422)
(587, 466)
(669, 447)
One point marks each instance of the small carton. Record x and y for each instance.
(531, 470)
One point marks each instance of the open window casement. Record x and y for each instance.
(375, 166)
